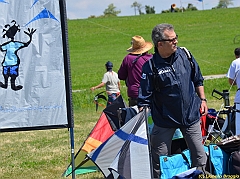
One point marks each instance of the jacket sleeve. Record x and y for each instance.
(198, 78)
(146, 87)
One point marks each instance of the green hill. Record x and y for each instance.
(207, 34)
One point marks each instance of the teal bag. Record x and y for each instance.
(172, 165)
(219, 159)
(186, 154)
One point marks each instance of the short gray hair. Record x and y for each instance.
(158, 32)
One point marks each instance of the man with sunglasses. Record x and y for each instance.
(172, 86)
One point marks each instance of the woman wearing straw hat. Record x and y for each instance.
(131, 67)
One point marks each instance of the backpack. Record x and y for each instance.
(218, 160)
(234, 163)
(155, 71)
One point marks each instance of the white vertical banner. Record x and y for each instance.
(33, 93)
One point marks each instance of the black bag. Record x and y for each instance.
(230, 144)
(234, 163)
(125, 114)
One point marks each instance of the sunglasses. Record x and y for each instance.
(170, 40)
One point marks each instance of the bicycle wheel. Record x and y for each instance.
(236, 39)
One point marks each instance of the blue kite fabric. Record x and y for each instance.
(133, 160)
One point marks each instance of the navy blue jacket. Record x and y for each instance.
(176, 104)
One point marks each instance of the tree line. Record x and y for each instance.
(139, 9)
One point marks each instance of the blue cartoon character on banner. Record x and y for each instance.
(11, 59)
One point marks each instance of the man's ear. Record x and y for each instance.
(159, 44)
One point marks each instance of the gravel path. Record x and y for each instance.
(214, 76)
(209, 77)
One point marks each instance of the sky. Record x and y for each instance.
(81, 9)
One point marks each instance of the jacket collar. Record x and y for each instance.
(159, 59)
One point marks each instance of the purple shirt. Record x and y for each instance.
(132, 71)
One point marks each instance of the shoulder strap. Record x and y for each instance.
(187, 52)
(155, 74)
(152, 66)
(189, 56)
(136, 59)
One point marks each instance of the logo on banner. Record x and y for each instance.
(11, 60)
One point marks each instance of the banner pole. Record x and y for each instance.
(72, 152)
(146, 111)
(67, 66)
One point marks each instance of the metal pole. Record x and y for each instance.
(72, 152)
(146, 111)
(66, 53)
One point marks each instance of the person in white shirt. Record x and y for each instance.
(110, 79)
(233, 76)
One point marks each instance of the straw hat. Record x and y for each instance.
(139, 45)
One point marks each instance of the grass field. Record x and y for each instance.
(207, 34)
